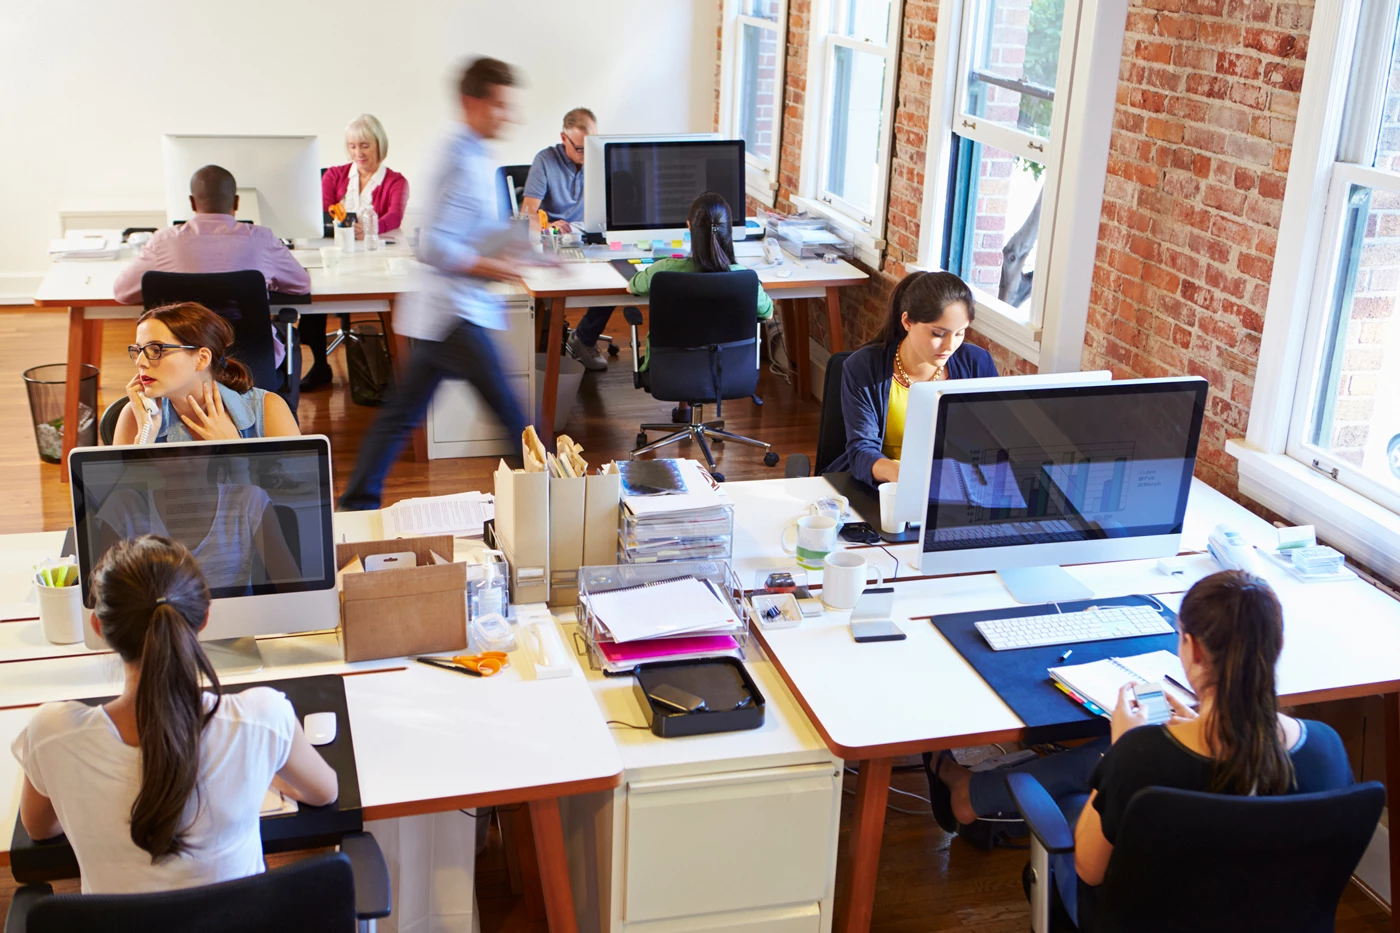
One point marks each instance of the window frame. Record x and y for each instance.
(760, 175)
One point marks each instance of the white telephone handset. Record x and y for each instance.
(772, 252)
(1231, 551)
(152, 410)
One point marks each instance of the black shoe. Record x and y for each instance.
(940, 797)
(318, 378)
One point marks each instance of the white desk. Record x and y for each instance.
(873, 702)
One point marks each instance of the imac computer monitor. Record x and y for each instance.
(1022, 481)
(278, 177)
(595, 181)
(651, 185)
(256, 515)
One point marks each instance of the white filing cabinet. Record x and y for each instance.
(460, 423)
(734, 831)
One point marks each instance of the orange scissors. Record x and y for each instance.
(485, 663)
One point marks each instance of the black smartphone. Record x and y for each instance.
(859, 533)
(876, 630)
(674, 698)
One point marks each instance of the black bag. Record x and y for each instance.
(367, 358)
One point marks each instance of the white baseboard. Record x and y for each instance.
(1374, 870)
(18, 288)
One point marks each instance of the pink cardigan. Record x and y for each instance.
(389, 199)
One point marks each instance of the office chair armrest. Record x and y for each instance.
(25, 897)
(285, 298)
(797, 465)
(373, 899)
(632, 315)
(1042, 815)
(287, 316)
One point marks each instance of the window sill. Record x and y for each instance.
(1345, 519)
(760, 187)
(869, 247)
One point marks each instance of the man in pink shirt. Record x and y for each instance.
(212, 241)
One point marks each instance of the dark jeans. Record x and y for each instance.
(466, 353)
(313, 334)
(591, 327)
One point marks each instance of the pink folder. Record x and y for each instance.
(652, 649)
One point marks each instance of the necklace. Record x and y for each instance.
(902, 376)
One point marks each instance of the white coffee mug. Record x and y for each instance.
(844, 577)
(887, 520)
(61, 613)
(814, 539)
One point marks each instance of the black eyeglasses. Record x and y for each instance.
(570, 143)
(154, 351)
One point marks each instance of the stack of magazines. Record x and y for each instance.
(672, 510)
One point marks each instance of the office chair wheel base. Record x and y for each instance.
(612, 349)
(641, 440)
(719, 477)
(770, 459)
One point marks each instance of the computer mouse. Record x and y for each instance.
(320, 728)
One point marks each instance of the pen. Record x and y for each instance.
(1065, 656)
(448, 666)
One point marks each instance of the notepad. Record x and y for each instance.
(667, 607)
(1098, 682)
(276, 803)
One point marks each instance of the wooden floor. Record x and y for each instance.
(928, 881)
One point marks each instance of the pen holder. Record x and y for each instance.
(61, 613)
(345, 239)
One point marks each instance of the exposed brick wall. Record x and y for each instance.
(1203, 131)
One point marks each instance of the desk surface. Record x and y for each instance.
(600, 278)
(892, 698)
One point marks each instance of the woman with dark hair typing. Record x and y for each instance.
(922, 341)
(162, 787)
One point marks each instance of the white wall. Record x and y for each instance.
(89, 86)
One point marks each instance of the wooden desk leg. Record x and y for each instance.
(554, 865)
(872, 792)
(1392, 793)
(519, 831)
(550, 391)
(836, 342)
(399, 353)
(801, 338)
(78, 353)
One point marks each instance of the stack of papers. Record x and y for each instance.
(84, 247)
(1095, 685)
(673, 510)
(667, 620)
(460, 515)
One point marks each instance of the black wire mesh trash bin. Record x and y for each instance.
(368, 362)
(47, 387)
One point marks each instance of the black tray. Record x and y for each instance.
(720, 682)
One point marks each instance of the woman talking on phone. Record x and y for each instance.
(162, 788)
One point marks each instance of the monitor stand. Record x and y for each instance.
(233, 655)
(1035, 585)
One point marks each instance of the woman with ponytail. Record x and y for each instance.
(162, 787)
(182, 360)
(921, 341)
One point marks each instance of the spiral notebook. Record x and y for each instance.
(666, 607)
(1096, 684)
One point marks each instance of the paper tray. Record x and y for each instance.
(720, 682)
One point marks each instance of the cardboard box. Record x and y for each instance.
(522, 531)
(413, 610)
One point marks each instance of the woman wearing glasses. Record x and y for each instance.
(182, 362)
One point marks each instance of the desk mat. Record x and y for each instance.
(307, 828)
(1019, 676)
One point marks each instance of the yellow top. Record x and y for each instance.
(894, 420)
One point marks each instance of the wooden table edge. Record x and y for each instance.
(388, 811)
(113, 303)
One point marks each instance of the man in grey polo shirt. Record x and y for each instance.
(555, 185)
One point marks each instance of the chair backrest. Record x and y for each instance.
(238, 297)
(1209, 862)
(314, 895)
(703, 336)
(831, 431)
(107, 427)
(508, 176)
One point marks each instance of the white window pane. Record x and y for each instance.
(997, 222)
(857, 108)
(862, 19)
(1355, 416)
(1388, 142)
(759, 9)
(758, 89)
(1015, 52)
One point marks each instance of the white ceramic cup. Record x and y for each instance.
(814, 539)
(330, 259)
(887, 522)
(844, 577)
(61, 613)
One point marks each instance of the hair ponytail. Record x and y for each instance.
(197, 326)
(233, 373)
(1238, 622)
(924, 296)
(711, 233)
(151, 600)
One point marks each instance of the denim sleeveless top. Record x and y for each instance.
(245, 410)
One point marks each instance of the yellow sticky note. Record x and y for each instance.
(635, 262)
(677, 244)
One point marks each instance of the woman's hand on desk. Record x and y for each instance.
(211, 421)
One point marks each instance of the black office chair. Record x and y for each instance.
(1211, 863)
(107, 427)
(338, 892)
(508, 178)
(831, 430)
(704, 348)
(241, 298)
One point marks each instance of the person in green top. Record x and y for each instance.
(711, 250)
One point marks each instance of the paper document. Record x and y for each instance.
(459, 515)
(275, 803)
(668, 607)
(698, 494)
(1099, 681)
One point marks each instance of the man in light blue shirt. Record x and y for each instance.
(555, 186)
(449, 316)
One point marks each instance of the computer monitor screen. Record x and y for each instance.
(278, 178)
(1059, 465)
(651, 185)
(256, 515)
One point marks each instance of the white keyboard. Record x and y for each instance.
(1068, 628)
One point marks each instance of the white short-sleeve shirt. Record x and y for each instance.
(73, 754)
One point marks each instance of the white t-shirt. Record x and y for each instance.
(73, 754)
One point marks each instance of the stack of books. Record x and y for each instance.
(672, 510)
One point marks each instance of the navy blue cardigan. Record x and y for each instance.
(865, 395)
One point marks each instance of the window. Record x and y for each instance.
(751, 94)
